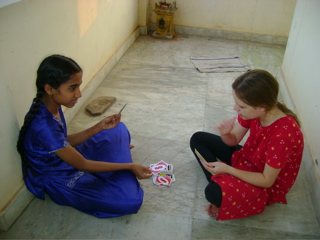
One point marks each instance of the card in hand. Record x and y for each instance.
(161, 166)
(122, 109)
(199, 155)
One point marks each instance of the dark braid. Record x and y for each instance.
(53, 70)
(32, 112)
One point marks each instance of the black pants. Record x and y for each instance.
(211, 147)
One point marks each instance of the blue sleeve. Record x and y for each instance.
(52, 137)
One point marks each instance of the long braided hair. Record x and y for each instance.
(53, 70)
(259, 88)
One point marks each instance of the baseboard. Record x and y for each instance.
(143, 30)
(218, 33)
(13, 211)
(312, 177)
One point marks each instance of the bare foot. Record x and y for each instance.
(131, 146)
(212, 210)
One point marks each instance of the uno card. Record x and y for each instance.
(162, 173)
(160, 166)
(199, 155)
(157, 168)
(163, 179)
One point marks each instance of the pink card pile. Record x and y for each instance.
(162, 174)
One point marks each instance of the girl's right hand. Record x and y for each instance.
(140, 171)
(109, 122)
(226, 125)
(216, 168)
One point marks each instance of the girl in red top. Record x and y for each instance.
(245, 179)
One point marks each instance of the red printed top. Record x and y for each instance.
(279, 145)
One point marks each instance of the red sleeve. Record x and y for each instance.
(244, 123)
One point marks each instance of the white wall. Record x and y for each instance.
(301, 68)
(89, 31)
(269, 17)
(301, 74)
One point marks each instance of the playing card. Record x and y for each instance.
(199, 155)
(162, 180)
(162, 173)
(161, 166)
(157, 168)
(122, 109)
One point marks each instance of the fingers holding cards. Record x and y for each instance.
(204, 162)
(200, 156)
(121, 109)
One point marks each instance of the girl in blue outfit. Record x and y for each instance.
(92, 170)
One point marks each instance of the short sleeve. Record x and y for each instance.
(53, 137)
(244, 123)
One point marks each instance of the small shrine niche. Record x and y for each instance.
(164, 20)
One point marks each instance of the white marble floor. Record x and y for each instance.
(168, 100)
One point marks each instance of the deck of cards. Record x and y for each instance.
(162, 173)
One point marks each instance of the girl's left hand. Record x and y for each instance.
(141, 171)
(110, 122)
(216, 168)
(226, 125)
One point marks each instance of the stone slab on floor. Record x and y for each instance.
(100, 105)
